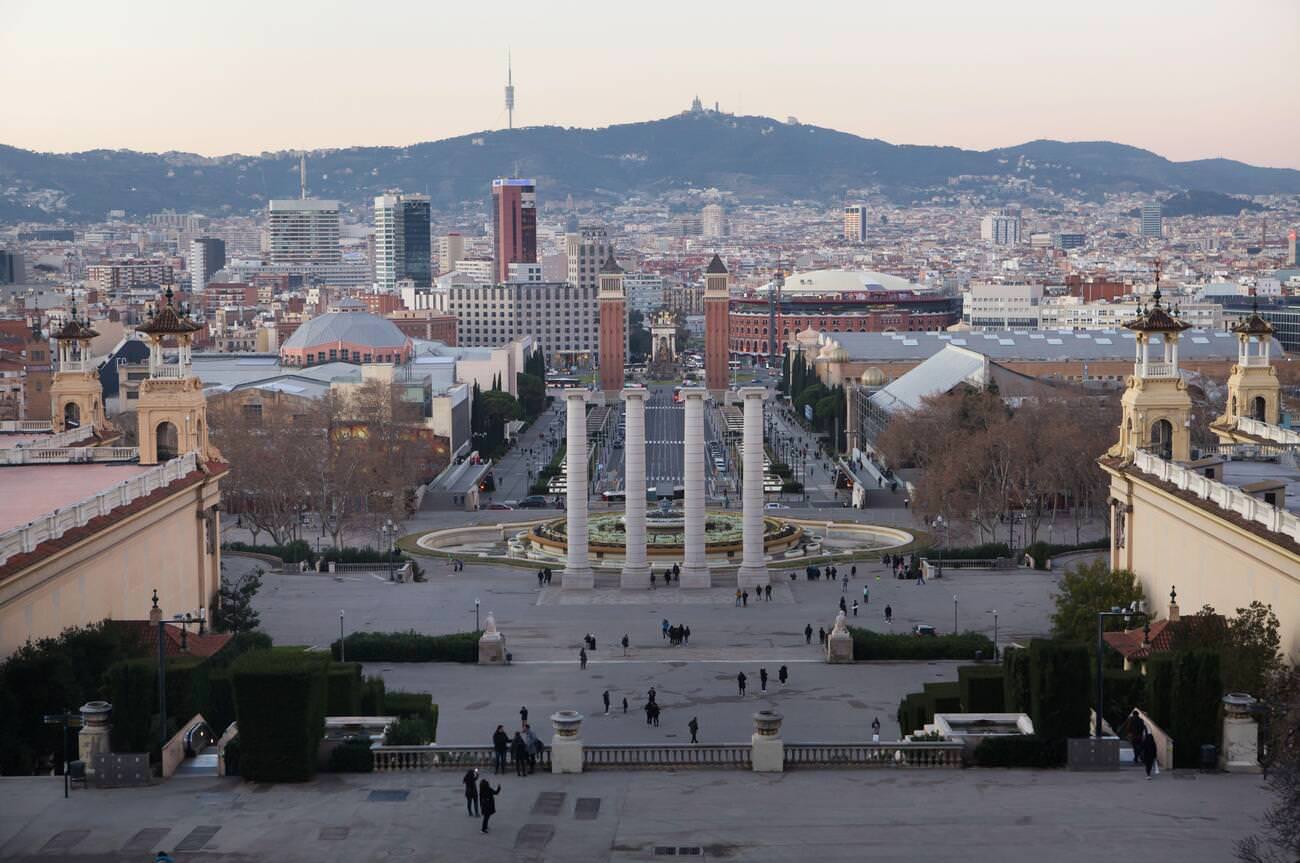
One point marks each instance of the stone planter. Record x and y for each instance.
(767, 723)
(567, 723)
(1240, 750)
(93, 739)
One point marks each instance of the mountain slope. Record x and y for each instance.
(758, 158)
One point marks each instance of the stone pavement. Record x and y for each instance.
(831, 815)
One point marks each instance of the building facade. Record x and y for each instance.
(1152, 221)
(587, 250)
(855, 223)
(303, 231)
(613, 327)
(514, 224)
(207, 257)
(562, 318)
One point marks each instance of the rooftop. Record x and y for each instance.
(32, 491)
(1045, 345)
(356, 328)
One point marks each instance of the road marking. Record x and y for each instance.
(667, 661)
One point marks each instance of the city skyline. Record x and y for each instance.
(956, 76)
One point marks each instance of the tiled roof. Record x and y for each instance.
(208, 644)
(1164, 635)
(716, 266)
(168, 322)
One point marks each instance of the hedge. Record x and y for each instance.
(352, 756)
(912, 713)
(1160, 689)
(942, 697)
(409, 732)
(1015, 670)
(410, 705)
(1197, 691)
(982, 689)
(1013, 750)
(351, 554)
(280, 703)
(187, 687)
(1123, 691)
(1043, 551)
(410, 647)
(220, 711)
(372, 697)
(133, 692)
(869, 645)
(1058, 687)
(290, 552)
(343, 689)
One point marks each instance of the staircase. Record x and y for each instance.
(203, 765)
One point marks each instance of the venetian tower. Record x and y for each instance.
(171, 411)
(1254, 392)
(1157, 409)
(717, 335)
(76, 394)
(612, 302)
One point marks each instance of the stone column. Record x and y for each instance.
(93, 739)
(577, 569)
(753, 564)
(767, 752)
(566, 744)
(636, 571)
(695, 567)
(1240, 751)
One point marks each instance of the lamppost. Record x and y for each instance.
(342, 645)
(476, 626)
(1134, 608)
(156, 612)
(954, 614)
(390, 538)
(995, 633)
(67, 719)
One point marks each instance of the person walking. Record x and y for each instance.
(500, 742)
(855, 608)
(471, 791)
(844, 584)
(519, 754)
(1149, 753)
(694, 727)
(866, 595)
(783, 674)
(807, 634)
(821, 635)
(649, 711)
(767, 592)
(744, 598)
(654, 715)
(663, 627)
(605, 697)
(625, 705)
(686, 635)
(843, 608)
(625, 644)
(523, 714)
(853, 571)
(677, 570)
(740, 681)
(875, 730)
(487, 801)
(533, 748)
(650, 695)
(762, 679)
(889, 614)
(738, 597)
(541, 576)
(582, 658)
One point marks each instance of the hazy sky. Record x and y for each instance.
(1188, 79)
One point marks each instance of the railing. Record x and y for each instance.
(169, 371)
(1253, 360)
(667, 755)
(1225, 497)
(974, 563)
(904, 753)
(433, 756)
(1268, 431)
(68, 455)
(1159, 370)
(21, 540)
(63, 438)
(25, 426)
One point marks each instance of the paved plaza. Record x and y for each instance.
(823, 815)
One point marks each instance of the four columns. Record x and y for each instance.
(695, 567)
(753, 567)
(577, 570)
(636, 570)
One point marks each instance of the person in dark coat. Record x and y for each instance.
(807, 634)
(471, 792)
(686, 635)
(821, 635)
(605, 698)
(740, 681)
(523, 715)
(694, 727)
(519, 754)
(654, 715)
(1135, 729)
(500, 743)
(487, 801)
(889, 614)
(1149, 753)
(762, 679)
(782, 674)
(582, 658)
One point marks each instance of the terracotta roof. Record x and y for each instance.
(74, 329)
(716, 266)
(1164, 635)
(168, 322)
(1156, 320)
(208, 644)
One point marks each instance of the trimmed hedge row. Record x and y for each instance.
(1197, 690)
(982, 689)
(410, 647)
(1028, 750)
(280, 701)
(352, 756)
(986, 551)
(1058, 693)
(343, 689)
(868, 645)
(1043, 551)
(1015, 679)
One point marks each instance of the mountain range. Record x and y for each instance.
(755, 158)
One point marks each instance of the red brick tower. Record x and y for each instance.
(717, 336)
(613, 326)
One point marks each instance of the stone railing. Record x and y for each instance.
(1225, 497)
(388, 759)
(63, 438)
(898, 754)
(25, 426)
(68, 455)
(667, 755)
(169, 371)
(53, 525)
(1268, 431)
(1253, 360)
(1159, 370)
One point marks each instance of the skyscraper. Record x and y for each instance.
(717, 321)
(451, 251)
(207, 256)
(388, 241)
(402, 242)
(417, 242)
(587, 249)
(612, 303)
(713, 220)
(12, 271)
(304, 231)
(1153, 220)
(1293, 247)
(855, 223)
(514, 224)
(1001, 229)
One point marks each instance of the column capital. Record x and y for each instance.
(694, 393)
(752, 392)
(636, 393)
(582, 395)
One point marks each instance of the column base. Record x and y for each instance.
(767, 754)
(695, 577)
(566, 755)
(635, 577)
(577, 579)
(753, 576)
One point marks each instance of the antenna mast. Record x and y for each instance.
(302, 174)
(510, 94)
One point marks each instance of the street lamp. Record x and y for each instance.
(954, 614)
(476, 626)
(995, 633)
(341, 643)
(390, 537)
(67, 719)
(1134, 608)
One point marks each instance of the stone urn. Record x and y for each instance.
(767, 723)
(567, 723)
(1240, 750)
(1236, 704)
(94, 737)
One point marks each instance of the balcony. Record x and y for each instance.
(1158, 370)
(169, 372)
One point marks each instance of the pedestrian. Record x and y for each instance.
(625, 705)
(853, 571)
(762, 679)
(740, 681)
(783, 674)
(889, 614)
(650, 695)
(582, 659)
(1149, 753)
(519, 754)
(625, 643)
(843, 608)
(487, 801)
(677, 571)
(541, 576)
(694, 727)
(523, 715)
(652, 579)
(1135, 729)
(605, 697)
(855, 608)
(745, 598)
(844, 585)
(767, 590)
(821, 635)
(654, 715)
(807, 634)
(875, 730)
(532, 748)
(500, 741)
(471, 791)
(649, 711)
(686, 634)
(664, 628)
(738, 597)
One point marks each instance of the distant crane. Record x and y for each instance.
(510, 94)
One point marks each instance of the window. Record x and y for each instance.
(253, 411)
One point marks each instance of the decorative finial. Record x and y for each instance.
(1173, 594)
(155, 597)
(1146, 632)
(168, 294)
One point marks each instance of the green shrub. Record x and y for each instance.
(352, 756)
(1160, 689)
(914, 712)
(410, 647)
(792, 486)
(351, 554)
(1027, 750)
(869, 645)
(1042, 551)
(232, 756)
(133, 692)
(983, 689)
(1015, 669)
(409, 732)
(1123, 691)
(1197, 694)
(372, 697)
(290, 552)
(187, 687)
(343, 689)
(942, 697)
(220, 710)
(408, 705)
(280, 703)
(1058, 681)
(986, 551)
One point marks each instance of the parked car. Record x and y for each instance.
(506, 506)
(775, 505)
(533, 501)
(923, 629)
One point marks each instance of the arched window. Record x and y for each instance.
(71, 416)
(1162, 439)
(1258, 408)
(165, 441)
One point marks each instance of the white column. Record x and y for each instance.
(577, 569)
(695, 567)
(1171, 349)
(753, 565)
(636, 571)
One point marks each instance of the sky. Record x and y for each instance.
(1188, 79)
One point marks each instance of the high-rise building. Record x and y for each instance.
(613, 326)
(1066, 241)
(713, 220)
(402, 241)
(717, 320)
(451, 250)
(304, 231)
(514, 224)
(1153, 222)
(12, 271)
(207, 257)
(855, 223)
(588, 249)
(1001, 229)
(562, 317)
(1293, 247)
